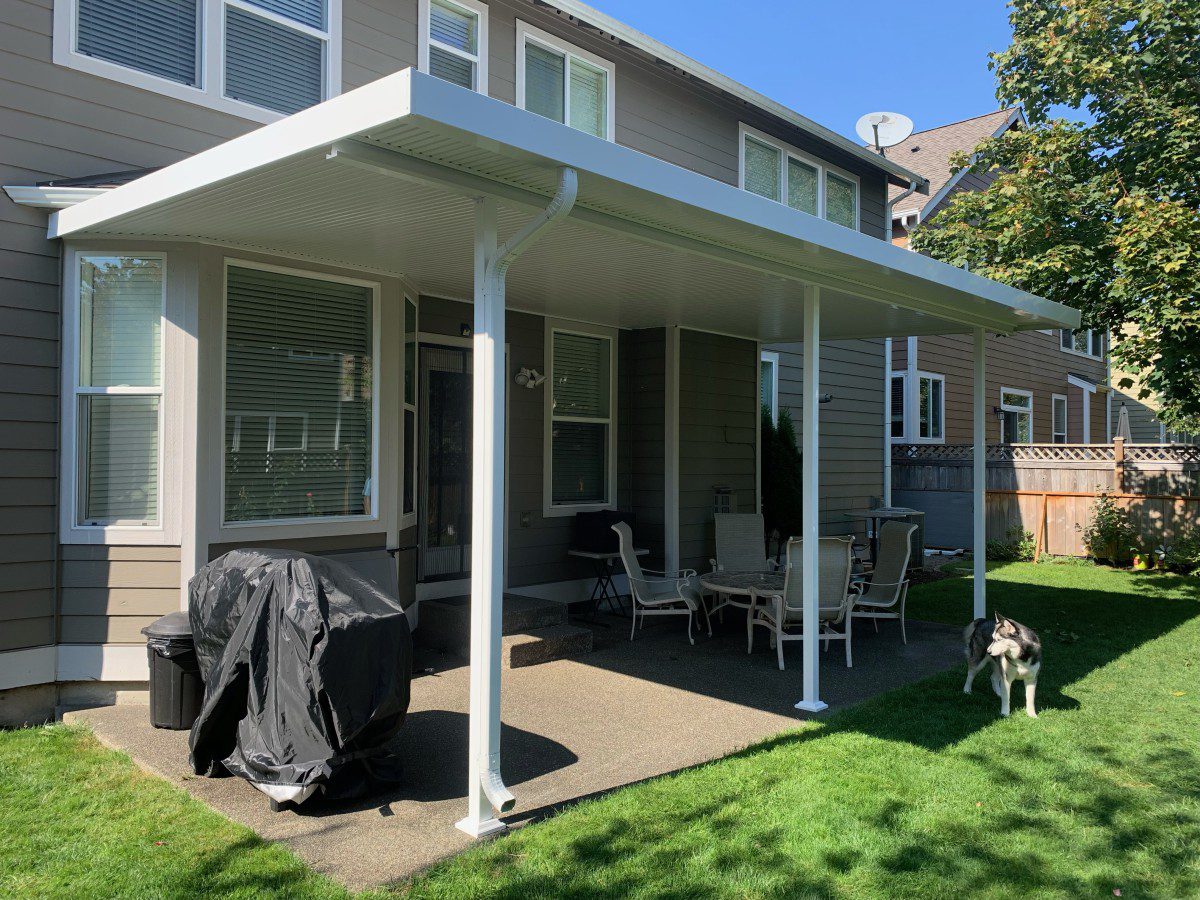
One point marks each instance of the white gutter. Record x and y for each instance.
(887, 362)
(49, 196)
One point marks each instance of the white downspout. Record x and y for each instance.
(486, 793)
(810, 500)
(979, 475)
(887, 360)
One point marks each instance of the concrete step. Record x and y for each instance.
(446, 622)
(541, 645)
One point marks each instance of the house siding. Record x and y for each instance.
(110, 593)
(718, 435)
(646, 430)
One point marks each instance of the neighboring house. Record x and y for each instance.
(277, 300)
(1136, 418)
(1044, 386)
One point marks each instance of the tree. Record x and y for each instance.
(782, 479)
(1101, 215)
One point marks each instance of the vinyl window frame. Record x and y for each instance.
(549, 507)
(166, 530)
(1066, 342)
(312, 525)
(787, 151)
(210, 40)
(1022, 410)
(1055, 433)
(915, 437)
(772, 358)
(424, 40)
(527, 33)
(408, 519)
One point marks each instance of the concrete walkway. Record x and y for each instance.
(572, 728)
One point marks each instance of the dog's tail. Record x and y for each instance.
(969, 635)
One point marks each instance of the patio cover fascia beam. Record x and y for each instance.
(468, 184)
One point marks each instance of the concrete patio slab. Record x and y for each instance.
(572, 728)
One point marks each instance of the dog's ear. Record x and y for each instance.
(999, 619)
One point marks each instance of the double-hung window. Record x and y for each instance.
(580, 443)
(1087, 341)
(452, 42)
(300, 401)
(768, 381)
(118, 391)
(256, 58)
(772, 169)
(565, 83)
(1058, 428)
(1016, 416)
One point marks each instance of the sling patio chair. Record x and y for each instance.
(783, 614)
(658, 593)
(884, 595)
(741, 546)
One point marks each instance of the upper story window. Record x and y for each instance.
(452, 42)
(772, 169)
(1088, 341)
(258, 59)
(564, 83)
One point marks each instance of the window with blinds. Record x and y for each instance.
(564, 83)
(781, 173)
(118, 390)
(580, 419)
(453, 40)
(271, 54)
(898, 406)
(299, 397)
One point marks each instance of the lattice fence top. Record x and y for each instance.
(1134, 453)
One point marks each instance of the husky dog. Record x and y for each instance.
(1014, 652)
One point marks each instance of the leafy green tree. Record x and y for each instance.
(1102, 215)
(782, 479)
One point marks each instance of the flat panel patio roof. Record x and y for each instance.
(385, 179)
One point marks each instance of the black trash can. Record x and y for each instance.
(176, 688)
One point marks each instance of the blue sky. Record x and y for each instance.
(833, 60)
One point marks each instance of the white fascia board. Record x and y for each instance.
(1082, 383)
(373, 104)
(712, 77)
(931, 204)
(49, 196)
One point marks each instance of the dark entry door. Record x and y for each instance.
(445, 467)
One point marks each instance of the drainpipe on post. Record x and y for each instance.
(887, 361)
(487, 794)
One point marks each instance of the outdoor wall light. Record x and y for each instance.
(529, 378)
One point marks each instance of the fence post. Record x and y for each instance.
(1119, 465)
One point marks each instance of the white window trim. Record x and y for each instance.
(210, 92)
(1072, 350)
(527, 32)
(166, 531)
(787, 150)
(1004, 407)
(472, 7)
(915, 437)
(287, 526)
(549, 507)
(1066, 422)
(770, 356)
(409, 520)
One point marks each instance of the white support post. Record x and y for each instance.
(487, 527)
(810, 527)
(979, 480)
(887, 422)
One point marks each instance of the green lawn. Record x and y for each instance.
(920, 793)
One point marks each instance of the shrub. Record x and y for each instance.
(1109, 536)
(1018, 546)
(1183, 554)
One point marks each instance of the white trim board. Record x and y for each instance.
(23, 668)
(102, 662)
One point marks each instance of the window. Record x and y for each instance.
(255, 58)
(1016, 416)
(118, 391)
(898, 392)
(932, 408)
(300, 370)
(453, 42)
(564, 83)
(408, 504)
(1059, 414)
(580, 444)
(1088, 341)
(781, 173)
(768, 382)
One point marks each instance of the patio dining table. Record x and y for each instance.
(739, 588)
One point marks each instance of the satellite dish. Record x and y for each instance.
(884, 129)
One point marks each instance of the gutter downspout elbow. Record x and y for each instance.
(891, 204)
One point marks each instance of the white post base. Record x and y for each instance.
(486, 828)
(813, 706)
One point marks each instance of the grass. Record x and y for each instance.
(920, 792)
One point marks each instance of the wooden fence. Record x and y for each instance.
(1050, 489)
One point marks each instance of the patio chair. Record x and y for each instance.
(884, 595)
(783, 614)
(741, 542)
(657, 593)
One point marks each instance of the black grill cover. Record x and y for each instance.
(306, 666)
